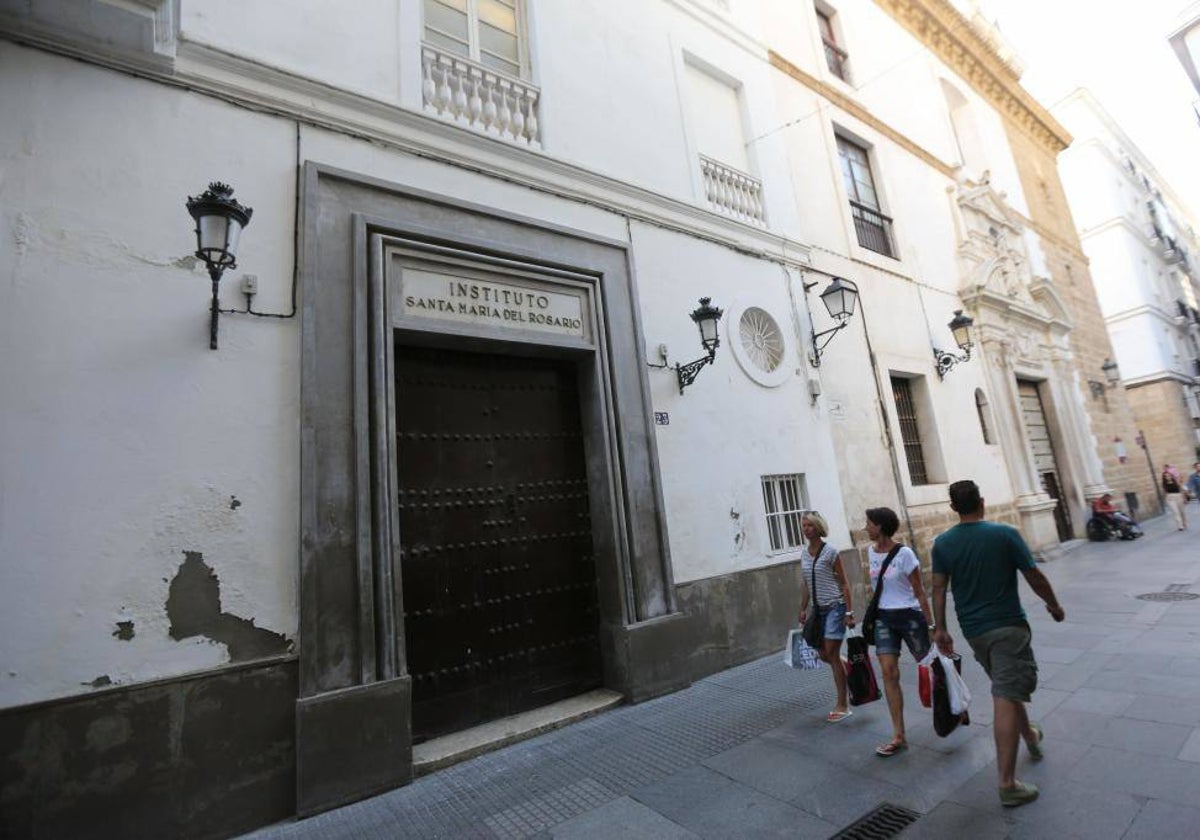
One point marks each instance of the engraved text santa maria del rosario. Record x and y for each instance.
(488, 303)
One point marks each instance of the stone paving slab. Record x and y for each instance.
(747, 753)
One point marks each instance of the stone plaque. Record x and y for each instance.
(492, 303)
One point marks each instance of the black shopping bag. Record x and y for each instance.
(944, 720)
(860, 676)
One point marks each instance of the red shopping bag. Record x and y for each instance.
(925, 686)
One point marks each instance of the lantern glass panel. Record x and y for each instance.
(235, 236)
(962, 336)
(212, 231)
(839, 299)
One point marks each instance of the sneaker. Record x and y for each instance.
(1035, 750)
(1022, 793)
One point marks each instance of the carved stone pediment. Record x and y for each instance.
(992, 253)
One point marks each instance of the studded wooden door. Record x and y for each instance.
(1044, 461)
(500, 611)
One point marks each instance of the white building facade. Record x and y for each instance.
(1139, 237)
(464, 469)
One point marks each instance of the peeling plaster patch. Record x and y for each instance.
(194, 609)
(234, 504)
(23, 231)
(124, 630)
(189, 262)
(100, 681)
(739, 538)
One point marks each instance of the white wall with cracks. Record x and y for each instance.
(124, 440)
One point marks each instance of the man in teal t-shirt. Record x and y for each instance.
(980, 560)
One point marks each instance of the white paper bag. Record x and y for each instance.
(798, 653)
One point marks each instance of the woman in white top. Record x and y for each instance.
(903, 614)
(820, 562)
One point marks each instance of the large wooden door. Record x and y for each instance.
(500, 611)
(1043, 454)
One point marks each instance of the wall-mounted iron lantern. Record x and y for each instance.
(1112, 373)
(219, 223)
(839, 298)
(706, 316)
(1112, 376)
(960, 328)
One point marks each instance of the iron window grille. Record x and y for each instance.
(785, 501)
(910, 432)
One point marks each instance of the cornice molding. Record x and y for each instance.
(854, 109)
(953, 39)
(249, 84)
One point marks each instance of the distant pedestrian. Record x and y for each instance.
(820, 562)
(1173, 488)
(1193, 482)
(979, 561)
(903, 614)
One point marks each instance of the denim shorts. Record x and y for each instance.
(1006, 653)
(908, 624)
(835, 620)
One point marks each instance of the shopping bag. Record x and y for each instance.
(799, 654)
(925, 686)
(814, 627)
(960, 695)
(945, 719)
(860, 675)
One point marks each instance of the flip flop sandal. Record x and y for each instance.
(891, 748)
(838, 717)
(1035, 750)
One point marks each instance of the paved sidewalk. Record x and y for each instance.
(747, 753)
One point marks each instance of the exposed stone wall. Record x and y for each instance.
(1164, 418)
(1110, 415)
(927, 523)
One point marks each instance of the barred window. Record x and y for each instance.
(785, 499)
(910, 432)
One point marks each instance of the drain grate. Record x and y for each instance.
(1168, 596)
(885, 821)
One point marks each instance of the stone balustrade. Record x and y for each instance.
(732, 192)
(475, 97)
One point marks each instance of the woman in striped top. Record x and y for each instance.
(820, 562)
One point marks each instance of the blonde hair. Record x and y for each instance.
(819, 521)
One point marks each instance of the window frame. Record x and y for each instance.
(873, 229)
(781, 521)
(474, 42)
(828, 30)
(908, 418)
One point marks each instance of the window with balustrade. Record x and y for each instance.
(475, 68)
(872, 228)
(836, 57)
(714, 114)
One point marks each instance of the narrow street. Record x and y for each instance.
(747, 753)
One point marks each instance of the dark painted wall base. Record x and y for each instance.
(215, 754)
(738, 617)
(352, 744)
(205, 756)
(643, 660)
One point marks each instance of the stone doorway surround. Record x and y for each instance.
(352, 715)
(1023, 332)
